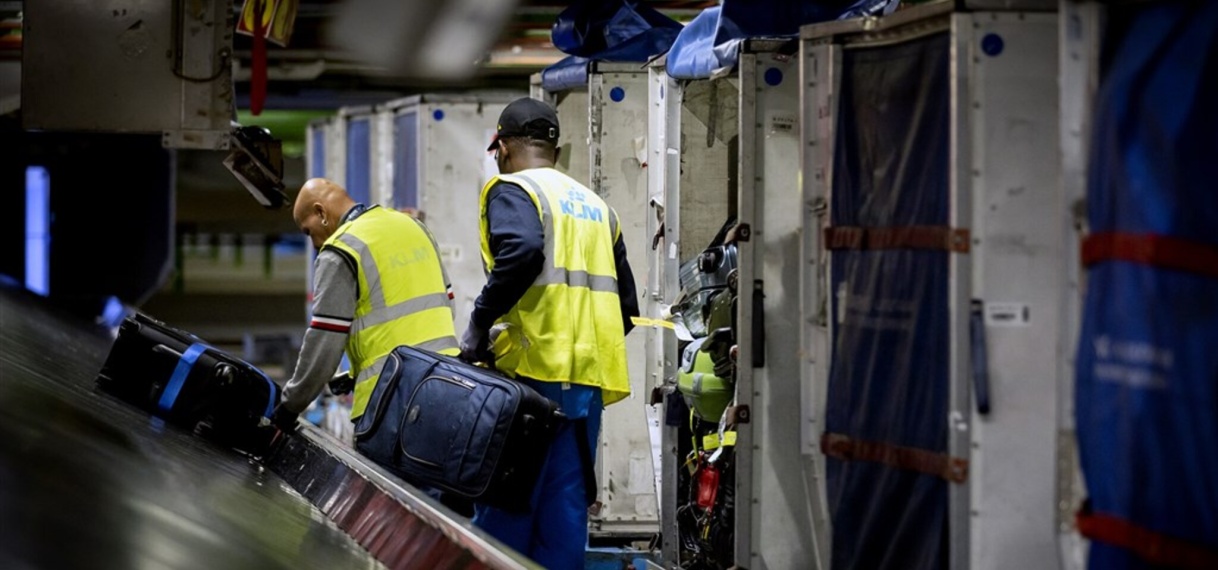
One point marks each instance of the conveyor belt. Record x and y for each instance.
(87, 481)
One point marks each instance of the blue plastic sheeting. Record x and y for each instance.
(889, 377)
(359, 160)
(1147, 375)
(599, 30)
(406, 160)
(711, 42)
(570, 72)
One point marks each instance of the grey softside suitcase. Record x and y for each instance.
(440, 422)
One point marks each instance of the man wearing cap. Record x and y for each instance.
(559, 295)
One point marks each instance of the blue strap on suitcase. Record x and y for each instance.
(187, 363)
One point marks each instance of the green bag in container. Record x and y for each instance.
(707, 395)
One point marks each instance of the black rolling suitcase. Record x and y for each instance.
(176, 376)
(440, 422)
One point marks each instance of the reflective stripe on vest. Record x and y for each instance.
(403, 296)
(568, 325)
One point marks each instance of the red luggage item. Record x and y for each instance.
(708, 486)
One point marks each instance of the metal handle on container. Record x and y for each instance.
(980, 360)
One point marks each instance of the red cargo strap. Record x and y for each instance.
(1154, 547)
(942, 465)
(1149, 249)
(944, 238)
(258, 62)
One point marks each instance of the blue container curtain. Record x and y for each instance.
(886, 413)
(1147, 373)
(317, 159)
(406, 160)
(359, 159)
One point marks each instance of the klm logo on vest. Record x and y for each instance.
(405, 258)
(576, 205)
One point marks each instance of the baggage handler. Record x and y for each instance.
(377, 283)
(559, 297)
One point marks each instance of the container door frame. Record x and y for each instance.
(615, 93)
(773, 528)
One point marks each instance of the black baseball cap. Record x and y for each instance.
(527, 118)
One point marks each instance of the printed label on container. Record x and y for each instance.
(1008, 314)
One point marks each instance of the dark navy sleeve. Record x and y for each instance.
(518, 246)
(626, 292)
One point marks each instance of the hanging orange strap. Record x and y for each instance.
(1154, 547)
(1149, 249)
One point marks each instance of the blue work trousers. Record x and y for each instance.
(554, 532)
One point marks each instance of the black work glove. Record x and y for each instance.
(284, 419)
(342, 383)
(475, 345)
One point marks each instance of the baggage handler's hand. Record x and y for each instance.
(284, 419)
(476, 346)
(342, 383)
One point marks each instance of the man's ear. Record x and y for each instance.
(319, 210)
(557, 153)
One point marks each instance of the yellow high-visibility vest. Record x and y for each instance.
(403, 294)
(568, 326)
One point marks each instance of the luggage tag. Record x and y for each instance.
(722, 428)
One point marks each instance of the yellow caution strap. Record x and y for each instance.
(711, 441)
(646, 322)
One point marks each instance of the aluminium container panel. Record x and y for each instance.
(618, 156)
(453, 168)
(1018, 271)
(574, 136)
(663, 144)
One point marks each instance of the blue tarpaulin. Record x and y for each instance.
(1147, 373)
(599, 30)
(889, 378)
(712, 41)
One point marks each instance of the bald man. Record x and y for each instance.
(377, 284)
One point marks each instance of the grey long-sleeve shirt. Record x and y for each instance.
(335, 293)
